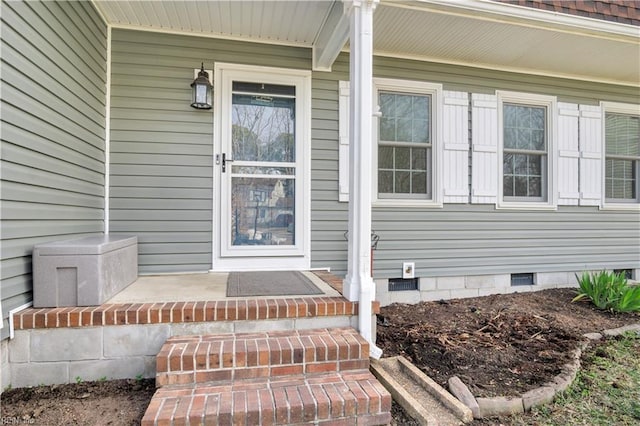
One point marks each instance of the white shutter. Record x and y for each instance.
(455, 135)
(484, 139)
(343, 136)
(568, 154)
(591, 145)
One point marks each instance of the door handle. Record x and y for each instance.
(225, 160)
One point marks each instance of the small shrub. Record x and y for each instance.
(608, 290)
(630, 300)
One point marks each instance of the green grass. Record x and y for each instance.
(606, 390)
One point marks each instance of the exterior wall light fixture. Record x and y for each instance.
(201, 90)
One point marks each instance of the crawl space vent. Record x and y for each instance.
(522, 279)
(403, 284)
(627, 273)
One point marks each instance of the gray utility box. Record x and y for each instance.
(83, 272)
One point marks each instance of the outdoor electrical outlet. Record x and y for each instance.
(408, 269)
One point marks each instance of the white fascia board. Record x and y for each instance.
(331, 38)
(210, 35)
(526, 16)
(504, 68)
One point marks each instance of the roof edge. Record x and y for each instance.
(507, 69)
(516, 14)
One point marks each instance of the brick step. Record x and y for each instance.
(338, 398)
(199, 359)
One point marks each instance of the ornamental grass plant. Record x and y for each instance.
(609, 291)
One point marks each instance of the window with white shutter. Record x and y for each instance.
(408, 158)
(526, 150)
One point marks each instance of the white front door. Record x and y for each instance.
(262, 165)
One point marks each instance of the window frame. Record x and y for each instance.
(434, 176)
(549, 199)
(609, 203)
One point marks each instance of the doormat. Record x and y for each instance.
(271, 283)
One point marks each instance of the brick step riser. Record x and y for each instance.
(335, 399)
(197, 359)
(226, 374)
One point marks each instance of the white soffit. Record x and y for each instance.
(295, 23)
(478, 33)
(521, 40)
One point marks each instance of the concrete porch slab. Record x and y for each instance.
(195, 288)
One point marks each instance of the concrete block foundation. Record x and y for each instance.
(41, 353)
(465, 286)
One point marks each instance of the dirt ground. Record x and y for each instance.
(497, 345)
(112, 402)
(503, 344)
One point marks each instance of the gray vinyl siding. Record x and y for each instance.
(53, 121)
(161, 149)
(162, 172)
(465, 239)
(477, 239)
(328, 216)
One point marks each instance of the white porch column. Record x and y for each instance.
(358, 284)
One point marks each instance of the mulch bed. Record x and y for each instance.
(498, 345)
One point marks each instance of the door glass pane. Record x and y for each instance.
(263, 211)
(263, 128)
(253, 170)
(263, 132)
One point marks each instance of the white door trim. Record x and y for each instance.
(297, 258)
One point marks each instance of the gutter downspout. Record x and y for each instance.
(358, 284)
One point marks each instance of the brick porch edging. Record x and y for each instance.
(185, 312)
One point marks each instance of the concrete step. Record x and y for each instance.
(337, 398)
(419, 395)
(199, 359)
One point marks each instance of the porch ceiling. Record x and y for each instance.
(479, 33)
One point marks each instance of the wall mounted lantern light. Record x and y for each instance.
(201, 90)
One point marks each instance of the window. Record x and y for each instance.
(405, 134)
(526, 150)
(404, 148)
(524, 155)
(622, 157)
